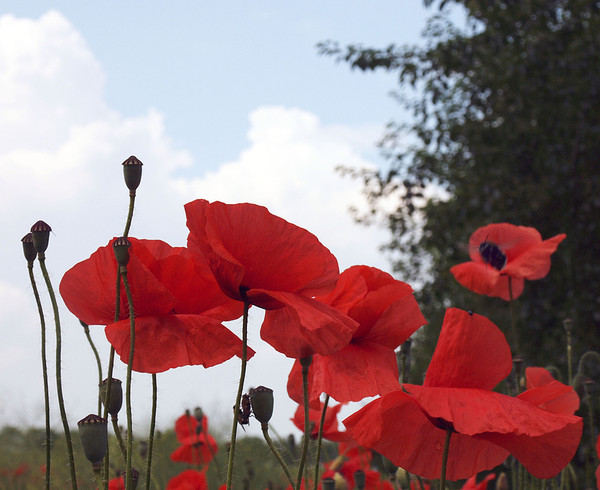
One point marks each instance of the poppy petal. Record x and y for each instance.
(471, 352)
(552, 395)
(534, 263)
(305, 326)
(396, 427)
(171, 341)
(512, 239)
(476, 276)
(248, 247)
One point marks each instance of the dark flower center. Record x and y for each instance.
(492, 255)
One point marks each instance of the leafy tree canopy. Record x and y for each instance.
(506, 122)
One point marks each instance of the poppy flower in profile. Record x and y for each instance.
(197, 446)
(330, 425)
(178, 305)
(188, 480)
(501, 251)
(262, 259)
(387, 314)
(471, 357)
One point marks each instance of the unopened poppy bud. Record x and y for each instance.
(328, 484)
(132, 171)
(40, 234)
(93, 433)
(261, 399)
(198, 414)
(121, 247)
(568, 325)
(28, 248)
(116, 395)
(405, 347)
(360, 479)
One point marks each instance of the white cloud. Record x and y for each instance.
(60, 161)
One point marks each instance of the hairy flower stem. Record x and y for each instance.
(152, 427)
(129, 475)
(115, 424)
(305, 363)
(59, 391)
(265, 431)
(513, 320)
(238, 398)
(445, 458)
(130, 213)
(38, 301)
(86, 329)
(319, 440)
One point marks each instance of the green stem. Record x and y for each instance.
(115, 424)
(152, 427)
(513, 320)
(319, 440)
(265, 431)
(86, 329)
(445, 458)
(130, 213)
(305, 362)
(238, 398)
(59, 391)
(38, 301)
(129, 475)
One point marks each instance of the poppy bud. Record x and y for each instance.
(262, 403)
(40, 233)
(328, 484)
(132, 171)
(28, 248)
(121, 247)
(116, 395)
(93, 433)
(568, 325)
(360, 479)
(198, 414)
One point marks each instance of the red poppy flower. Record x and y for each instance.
(177, 302)
(117, 483)
(501, 251)
(261, 258)
(388, 315)
(330, 425)
(198, 447)
(472, 356)
(471, 483)
(188, 480)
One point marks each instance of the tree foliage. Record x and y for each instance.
(506, 122)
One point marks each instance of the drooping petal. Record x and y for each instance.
(249, 248)
(471, 483)
(534, 263)
(476, 276)
(186, 426)
(305, 327)
(471, 353)
(331, 430)
(545, 392)
(171, 341)
(396, 427)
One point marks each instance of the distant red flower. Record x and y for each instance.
(177, 303)
(388, 315)
(188, 480)
(330, 425)
(197, 447)
(501, 251)
(472, 356)
(471, 483)
(117, 483)
(261, 258)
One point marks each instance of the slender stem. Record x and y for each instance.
(265, 431)
(238, 398)
(513, 320)
(130, 213)
(115, 424)
(38, 301)
(59, 391)
(86, 329)
(305, 362)
(152, 427)
(129, 475)
(319, 440)
(445, 458)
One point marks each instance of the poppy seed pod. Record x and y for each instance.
(93, 433)
(132, 171)
(28, 248)
(121, 248)
(198, 414)
(328, 484)
(262, 403)
(360, 479)
(40, 234)
(116, 396)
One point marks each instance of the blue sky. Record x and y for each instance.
(220, 100)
